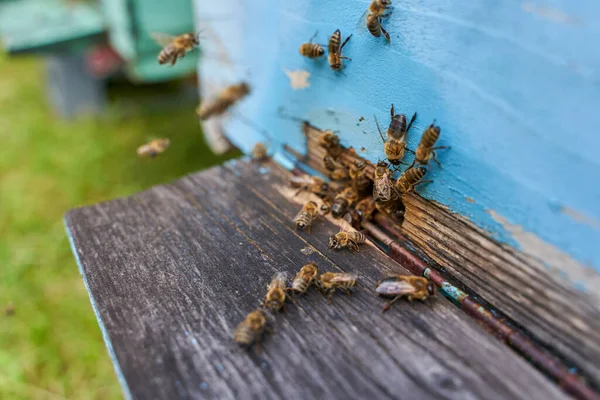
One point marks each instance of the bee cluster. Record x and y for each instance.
(251, 329)
(254, 326)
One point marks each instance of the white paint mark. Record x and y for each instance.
(298, 78)
(559, 262)
(551, 14)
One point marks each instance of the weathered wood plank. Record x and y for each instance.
(173, 270)
(563, 319)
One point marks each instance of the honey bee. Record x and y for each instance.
(153, 148)
(393, 208)
(225, 99)
(338, 171)
(304, 278)
(413, 287)
(313, 184)
(347, 237)
(310, 49)
(358, 175)
(373, 17)
(259, 152)
(275, 298)
(426, 150)
(250, 330)
(335, 56)
(365, 208)
(383, 188)
(306, 216)
(330, 281)
(174, 47)
(411, 178)
(331, 143)
(344, 199)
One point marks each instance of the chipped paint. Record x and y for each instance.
(579, 217)
(560, 264)
(551, 14)
(298, 78)
(470, 200)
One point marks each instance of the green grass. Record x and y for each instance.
(52, 347)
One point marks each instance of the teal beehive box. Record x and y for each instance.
(130, 23)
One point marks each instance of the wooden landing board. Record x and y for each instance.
(172, 270)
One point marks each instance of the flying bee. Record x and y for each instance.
(275, 298)
(347, 237)
(259, 152)
(426, 150)
(310, 49)
(413, 287)
(411, 178)
(383, 188)
(225, 99)
(338, 171)
(330, 281)
(331, 143)
(313, 184)
(304, 278)
(335, 56)
(174, 47)
(344, 199)
(358, 176)
(250, 330)
(153, 148)
(307, 214)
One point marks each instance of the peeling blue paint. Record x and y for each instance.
(515, 90)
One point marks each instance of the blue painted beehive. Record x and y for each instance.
(513, 85)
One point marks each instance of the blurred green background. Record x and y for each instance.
(51, 346)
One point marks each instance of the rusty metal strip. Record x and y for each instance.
(568, 381)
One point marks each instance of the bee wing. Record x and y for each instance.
(397, 288)
(343, 277)
(361, 26)
(162, 39)
(279, 279)
(346, 223)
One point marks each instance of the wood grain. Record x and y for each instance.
(174, 269)
(564, 320)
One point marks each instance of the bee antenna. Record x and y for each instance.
(378, 128)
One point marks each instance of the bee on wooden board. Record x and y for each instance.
(251, 329)
(383, 187)
(174, 47)
(393, 208)
(426, 150)
(259, 152)
(337, 171)
(275, 298)
(358, 175)
(313, 184)
(153, 148)
(413, 287)
(328, 282)
(310, 49)
(410, 179)
(331, 143)
(335, 56)
(304, 278)
(307, 214)
(344, 199)
(347, 237)
(225, 99)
